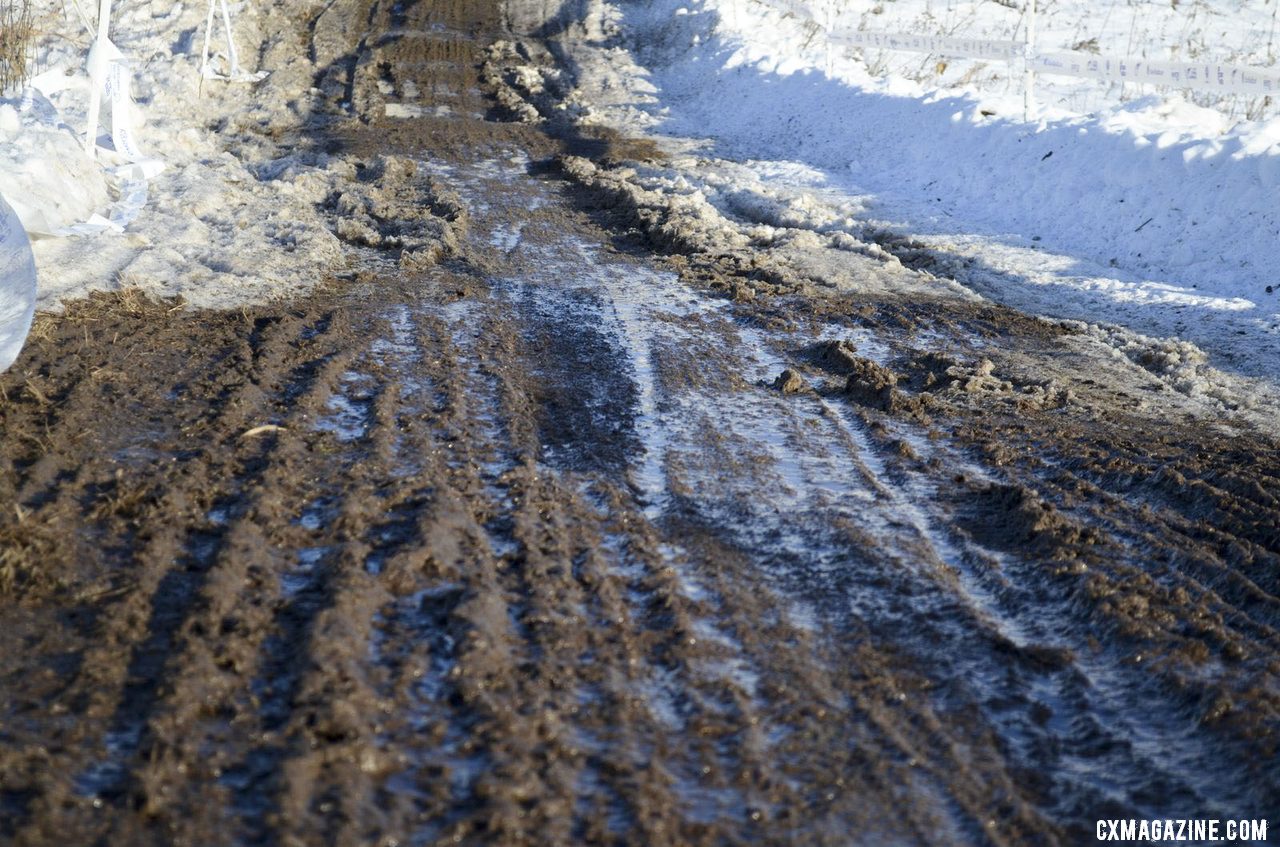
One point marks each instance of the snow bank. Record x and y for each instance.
(1153, 185)
(1153, 213)
(44, 174)
(228, 221)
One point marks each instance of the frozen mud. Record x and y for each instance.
(552, 537)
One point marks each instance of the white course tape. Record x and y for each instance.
(973, 48)
(131, 179)
(133, 197)
(95, 225)
(54, 80)
(1196, 76)
(35, 103)
(1200, 76)
(17, 285)
(123, 136)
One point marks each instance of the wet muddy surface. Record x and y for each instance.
(522, 533)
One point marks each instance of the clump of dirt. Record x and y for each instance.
(911, 252)
(1014, 517)
(687, 226)
(979, 378)
(678, 225)
(839, 357)
(941, 373)
(1046, 395)
(933, 371)
(789, 382)
(872, 385)
(516, 81)
(393, 207)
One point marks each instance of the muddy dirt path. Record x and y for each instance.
(522, 534)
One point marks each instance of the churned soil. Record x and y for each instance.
(539, 527)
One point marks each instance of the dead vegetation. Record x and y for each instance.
(23, 546)
(99, 307)
(17, 30)
(81, 346)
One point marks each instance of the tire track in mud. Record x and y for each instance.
(1039, 675)
(190, 602)
(658, 599)
(312, 686)
(118, 676)
(1113, 585)
(725, 683)
(1045, 667)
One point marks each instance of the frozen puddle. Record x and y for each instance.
(350, 409)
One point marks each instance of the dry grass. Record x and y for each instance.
(100, 307)
(122, 499)
(43, 327)
(22, 548)
(17, 29)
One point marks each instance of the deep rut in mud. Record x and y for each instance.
(520, 535)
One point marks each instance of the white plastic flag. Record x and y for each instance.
(975, 48)
(1197, 76)
(101, 54)
(109, 76)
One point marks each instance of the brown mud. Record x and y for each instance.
(519, 533)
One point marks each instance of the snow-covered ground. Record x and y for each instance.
(231, 218)
(1115, 204)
